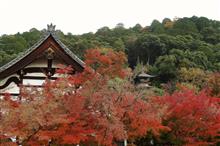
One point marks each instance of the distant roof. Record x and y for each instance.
(49, 32)
(145, 75)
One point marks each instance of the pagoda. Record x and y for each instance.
(142, 80)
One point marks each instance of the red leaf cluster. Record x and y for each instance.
(100, 105)
(106, 62)
(194, 118)
(96, 105)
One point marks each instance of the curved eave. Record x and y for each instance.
(68, 52)
(7, 69)
(22, 55)
(144, 75)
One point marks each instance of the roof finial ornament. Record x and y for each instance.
(51, 27)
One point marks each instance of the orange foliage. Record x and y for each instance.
(194, 118)
(214, 84)
(81, 107)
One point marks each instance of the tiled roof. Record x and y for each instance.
(145, 75)
(49, 32)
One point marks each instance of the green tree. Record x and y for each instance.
(13, 44)
(167, 65)
(32, 36)
(147, 48)
(184, 26)
(156, 27)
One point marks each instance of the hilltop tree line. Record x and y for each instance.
(169, 49)
(102, 106)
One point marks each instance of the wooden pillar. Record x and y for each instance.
(49, 68)
(50, 56)
(21, 75)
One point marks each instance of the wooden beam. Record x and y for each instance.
(10, 80)
(49, 67)
(65, 57)
(11, 94)
(39, 77)
(33, 86)
(35, 70)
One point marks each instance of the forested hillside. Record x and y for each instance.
(104, 105)
(169, 49)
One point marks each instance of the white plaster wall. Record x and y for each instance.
(36, 74)
(5, 79)
(33, 82)
(41, 62)
(12, 88)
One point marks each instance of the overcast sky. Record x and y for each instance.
(82, 16)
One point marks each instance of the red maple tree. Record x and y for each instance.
(194, 118)
(98, 105)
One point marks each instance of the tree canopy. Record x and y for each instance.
(102, 106)
(192, 41)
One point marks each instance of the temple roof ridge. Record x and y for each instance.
(49, 32)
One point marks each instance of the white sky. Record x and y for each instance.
(82, 16)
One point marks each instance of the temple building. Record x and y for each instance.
(39, 62)
(142, 80)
